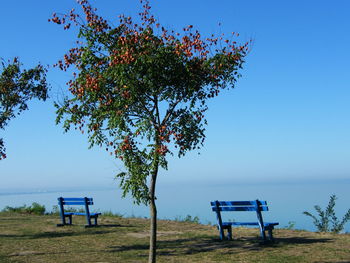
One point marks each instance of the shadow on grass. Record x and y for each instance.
(188, 246)
(98, 230)
(34, 253)
(15, 218)
(114, 225)
(301, 240)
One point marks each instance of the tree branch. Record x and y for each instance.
(157, 110)
(170, 111)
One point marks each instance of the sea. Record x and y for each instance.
(176, 201)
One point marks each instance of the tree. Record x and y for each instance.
(17, 87)
(141, 91)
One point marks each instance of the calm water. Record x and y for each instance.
(286, 201)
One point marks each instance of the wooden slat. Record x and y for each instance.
(76, 203)
(239, 208)
(274, 223)
(246, 224)
(75, 199)
(264, 208)
(237, 203)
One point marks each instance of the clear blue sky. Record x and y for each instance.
(288, 120)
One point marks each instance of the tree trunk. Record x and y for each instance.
(153, 213)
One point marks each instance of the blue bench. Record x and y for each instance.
(253, 206)
(84, 201)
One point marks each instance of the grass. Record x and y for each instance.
(35, 238)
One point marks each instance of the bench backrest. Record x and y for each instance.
(85, 201)
(75, 201)
(253, 206)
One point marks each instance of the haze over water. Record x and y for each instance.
(286, 201)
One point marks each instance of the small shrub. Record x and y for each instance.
(290, 225)
(18, 209)
(35, 208)
(110, 213)
(74, 209)
(55, 210)
(188, 218)
(328, 216)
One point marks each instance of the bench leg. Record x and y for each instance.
(88, 221)
(221, 232)
(262, 233)
(270, 235)
(69, 219)
(64, 222)
(229, 233)
(63, 219)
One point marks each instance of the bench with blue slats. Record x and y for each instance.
(253, 206)
(84, 201)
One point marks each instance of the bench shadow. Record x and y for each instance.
(113, 225)
(301, 240)
(34, 253)
(53, 234)
(97, 230)
(188, 246)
